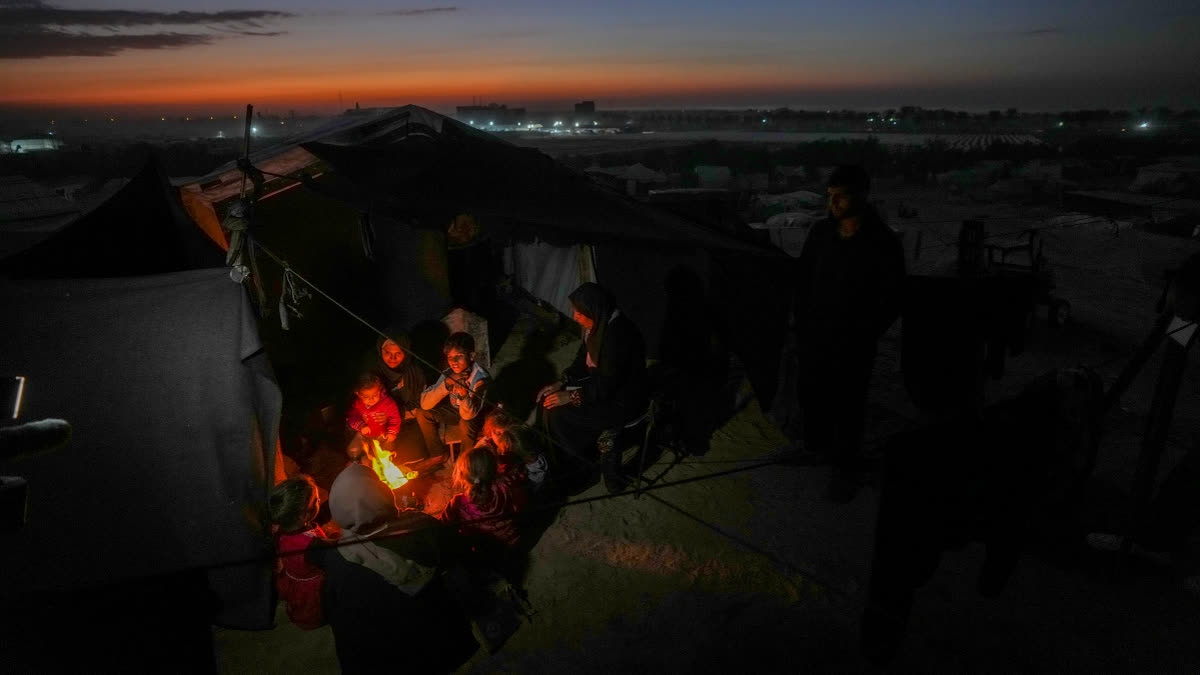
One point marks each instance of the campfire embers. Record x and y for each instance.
(381, 463)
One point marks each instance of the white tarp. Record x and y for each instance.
(550, 272)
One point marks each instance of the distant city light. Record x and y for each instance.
(235, 117)
(472, 122)
(254, 130)
(491, 124)
(1060, 124)
(163, 119)
(1144, 125)
(577, 124)
(764, 120)
(595, 123)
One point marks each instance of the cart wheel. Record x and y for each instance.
(1060, 313)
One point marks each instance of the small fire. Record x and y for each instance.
(381, 463)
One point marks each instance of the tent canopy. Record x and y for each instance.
(126, 324)
(141, 229)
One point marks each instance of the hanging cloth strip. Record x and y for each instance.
(290, 297)
(241, 256)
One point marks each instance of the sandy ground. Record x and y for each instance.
(754, 572)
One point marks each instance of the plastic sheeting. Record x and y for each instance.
(550, 272)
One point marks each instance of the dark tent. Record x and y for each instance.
(127, 325)
(427, 171)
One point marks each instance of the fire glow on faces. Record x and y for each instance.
(458, 360)
(371, 395)
(392, 354)
(581, 319)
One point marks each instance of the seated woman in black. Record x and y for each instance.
(605, 387)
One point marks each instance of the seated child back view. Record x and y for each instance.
(485, 512)
(373, 416)
(294, 504)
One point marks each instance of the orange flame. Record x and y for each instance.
(381, 463)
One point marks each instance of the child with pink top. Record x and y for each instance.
(294, 504)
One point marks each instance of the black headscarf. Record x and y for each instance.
(409, 370)
(597, 304)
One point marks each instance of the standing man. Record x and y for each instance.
(849, 280)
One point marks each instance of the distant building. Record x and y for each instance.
(492, 114)
(585, 108)
(23, 145)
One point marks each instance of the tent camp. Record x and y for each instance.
(126, 324)
(406, 213)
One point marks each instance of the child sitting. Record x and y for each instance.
(294, 504)
(373, 417)
(457, 397)
(516, 450)
(484, 511)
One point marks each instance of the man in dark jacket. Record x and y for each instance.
(849, 279)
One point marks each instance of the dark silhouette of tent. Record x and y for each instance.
(126, 324)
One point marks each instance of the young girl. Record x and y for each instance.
(294, 504)
(516, 450)
(485, 510)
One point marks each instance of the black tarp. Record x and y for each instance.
(134, 523)
(142, 229)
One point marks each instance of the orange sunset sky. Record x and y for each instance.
(160, 55)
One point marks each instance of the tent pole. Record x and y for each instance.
(246, 148)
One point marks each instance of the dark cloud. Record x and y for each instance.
(419, 12)
(40, 44)
(31, 29)
(1049, 30)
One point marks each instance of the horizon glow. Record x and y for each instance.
(322, 58)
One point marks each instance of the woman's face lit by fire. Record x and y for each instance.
(582, 319)
(392, 354)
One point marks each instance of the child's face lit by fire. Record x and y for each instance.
(392, 354)
(458, 360)
(370, 396)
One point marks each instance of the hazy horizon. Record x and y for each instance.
(163, 57)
